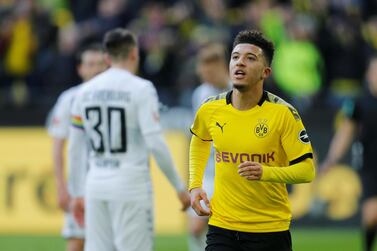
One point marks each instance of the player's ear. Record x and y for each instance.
(79, 69)
(198, 69)
(134, 54)
(266, 72)
(107, 59)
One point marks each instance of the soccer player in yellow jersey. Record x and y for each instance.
(261, 145)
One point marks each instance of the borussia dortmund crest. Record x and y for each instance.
(261, 129)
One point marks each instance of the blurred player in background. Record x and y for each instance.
(91, 62)
(212, 69)
(361, 121)
(118, 113)
(261, 145)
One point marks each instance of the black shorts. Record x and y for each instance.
(220, 239)
(369, 184)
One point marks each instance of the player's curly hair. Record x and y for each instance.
(257, 38)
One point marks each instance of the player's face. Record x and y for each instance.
(92, 63)
(213, 72)
(247, 66)
(372, 76)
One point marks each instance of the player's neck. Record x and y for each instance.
(125, 65)
(221, 85)
(224, 84)
(245, 100)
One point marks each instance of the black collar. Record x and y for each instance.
(260, 103)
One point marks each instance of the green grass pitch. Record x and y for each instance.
(323, 239)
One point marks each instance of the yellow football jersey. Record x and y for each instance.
(270, 133)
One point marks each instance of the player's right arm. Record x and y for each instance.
(343, 137)
(200, 148)
(77, 161)
(58, 160)
(340, 143)
(199, 154)
(58, 128)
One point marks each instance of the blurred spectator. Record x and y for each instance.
(21, 30)
(83, 9)
(369, 32)
(345, 59)
(156, 39)
(35, 71)
(298, 63)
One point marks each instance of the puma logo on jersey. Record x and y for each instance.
(221, 126)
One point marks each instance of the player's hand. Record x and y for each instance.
(184, 197)
(325, 167)
(78, 210)
(198, 195)
(250, 170)
(63, 197)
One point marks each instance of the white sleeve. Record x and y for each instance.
(197, 99)
(149, 122)
(77, 153)
(59, 118)
(148, 114)
(156, 144)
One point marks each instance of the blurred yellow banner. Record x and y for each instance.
(27, 185)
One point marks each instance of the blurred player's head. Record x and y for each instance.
(250, 60)
(212, 65)
(121, 47)
(372, 76)
(91, 61)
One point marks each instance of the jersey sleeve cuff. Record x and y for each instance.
(301, 158)
(266, 174)
(193, 186)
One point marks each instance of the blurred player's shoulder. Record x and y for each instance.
(212, 103)
(203, 90)
(67, 95)
(216, 99)
(117, 78)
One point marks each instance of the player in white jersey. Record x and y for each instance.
(118, 113)
(91, 62)
(212, 69)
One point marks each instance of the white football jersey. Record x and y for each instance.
(59, 119)
(202, 92)
(117, 110)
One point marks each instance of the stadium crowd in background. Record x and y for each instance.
(322, 47)
(39, 38)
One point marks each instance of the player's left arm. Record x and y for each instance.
(58, 128)
(77, 153)
(148, 116)
(302, 172)
(77, 163)
(298, 149)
